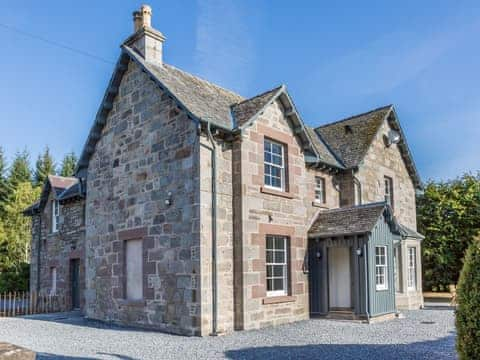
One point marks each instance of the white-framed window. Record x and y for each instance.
(274, 164)
(412, 268)
(357, 192)
(55, 215)
(53, 276)
(277, 265)
(388, 181)
(397, 268)
(320, 189)
(381, 270)
(134, 269)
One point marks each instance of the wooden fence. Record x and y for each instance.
(25, 303)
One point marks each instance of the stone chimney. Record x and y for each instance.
(145, 39)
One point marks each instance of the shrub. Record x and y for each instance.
(15, 279)
(468, 299)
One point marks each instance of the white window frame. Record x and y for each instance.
(388, 190)
(379, 268)
(412, 268)
(53, 275)
(357, 192)
(274, 263)
(271, 164)
(55, 215)
(320, 191)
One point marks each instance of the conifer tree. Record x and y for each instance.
(3, 184)
(20, 170)
(43, 167)
(69, 163)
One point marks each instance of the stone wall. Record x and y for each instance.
(147, 154)
(58, 250)
(259, 211)
(383, 161)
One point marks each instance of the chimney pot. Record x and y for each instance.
(137, 21)
(146, 15)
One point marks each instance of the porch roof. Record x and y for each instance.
(352, 220)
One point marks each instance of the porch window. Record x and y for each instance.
(397, 268)
(412, 268)
(388, 190)
(55, 215)
(381, 272)
(320, 189)
(277, 265)
(274, 165)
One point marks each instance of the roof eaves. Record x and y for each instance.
(417, 178)
(103, 110)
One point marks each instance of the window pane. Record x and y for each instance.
(277, 284)
(279, 243)
(279, 256)
(268, 157)
(276, 182)
(269, 284)
(276, 149)
(269, 256)
(278, 271)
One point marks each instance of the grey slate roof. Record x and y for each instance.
(347, 221)
(57, 184)
(350, 138)
(407, 232)
(73, 191)
(203, 99)
(245, 110)
(323, 151)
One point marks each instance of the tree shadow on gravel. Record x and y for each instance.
(48, 356)
(441, 349)
(76, 319)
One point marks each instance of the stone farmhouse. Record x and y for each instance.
(196, 211)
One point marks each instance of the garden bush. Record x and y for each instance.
(468, 299)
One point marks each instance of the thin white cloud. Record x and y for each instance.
(388, 62)
(224, 47)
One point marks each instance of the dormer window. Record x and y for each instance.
(274, 165)
(55, 215)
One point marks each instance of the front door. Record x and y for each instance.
(75, 275)
(339, 278)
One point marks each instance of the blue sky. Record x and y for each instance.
(336, 58)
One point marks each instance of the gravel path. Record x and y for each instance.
(422, 334)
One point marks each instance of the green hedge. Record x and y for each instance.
(468, 299)
(15, 278)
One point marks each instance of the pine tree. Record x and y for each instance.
(68, 164)
(20, 170)
(3, 184)
(44, 166)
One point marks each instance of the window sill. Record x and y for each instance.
(278, 299)
(280, 193)
(319, 205)
(382, 289)
(133, 303)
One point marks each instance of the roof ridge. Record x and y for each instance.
(258, 95)
(355, 116)
(204, 80)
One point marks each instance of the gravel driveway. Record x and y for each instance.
(422, 334)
